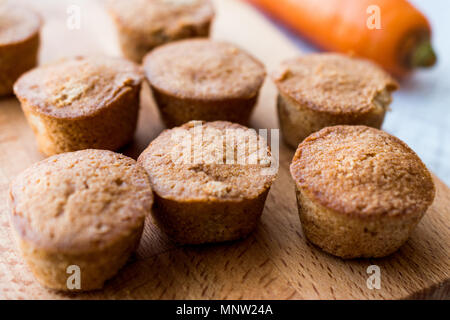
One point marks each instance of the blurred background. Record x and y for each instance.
(420, 113)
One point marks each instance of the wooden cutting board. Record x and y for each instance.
(275, 262)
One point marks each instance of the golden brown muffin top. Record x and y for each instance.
(17, 24)
(362, 171)
(166, 17)
(204, 69)
(77, 87)
(208, 161)
(77, 201)
(335, 83)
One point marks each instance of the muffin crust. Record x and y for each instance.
(85, 208)
(372, 172)
(359, 176)
(204, 80)
(19, 44)
(82, 102)
(320, 90)
(146, 24)
(207, 195)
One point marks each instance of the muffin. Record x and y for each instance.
(84, 208)
(19, 44)
(321, 90)
(145, 24)
(203, 80)
(360, 191)
(81, 103)
(210, 180)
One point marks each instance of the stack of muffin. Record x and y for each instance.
(360, 191)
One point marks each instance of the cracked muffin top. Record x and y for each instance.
(80, 200)
(204, 161)
(204, 69)
(335, 83)
(17, 24)
(163, 16)
(77, 87)
(362, 171)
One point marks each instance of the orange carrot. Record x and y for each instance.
(402, 43)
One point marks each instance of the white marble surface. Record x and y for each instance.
(420, 113)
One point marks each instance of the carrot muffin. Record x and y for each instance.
(321, 90)
(81, 103)
(19, 44)
(203, 80)
(145, 24)
(84, 209)
(210, 180)
(360, 191)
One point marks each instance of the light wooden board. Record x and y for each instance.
(275, 262)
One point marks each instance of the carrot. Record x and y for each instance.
(402, 44)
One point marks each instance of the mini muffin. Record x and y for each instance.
(360, 191)
(19, 44)
(81, 103)
(321, 90)
(145, 24)
(203, 80)
(210, 180)
(84, 208)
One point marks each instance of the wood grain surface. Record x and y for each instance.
(276, 261)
